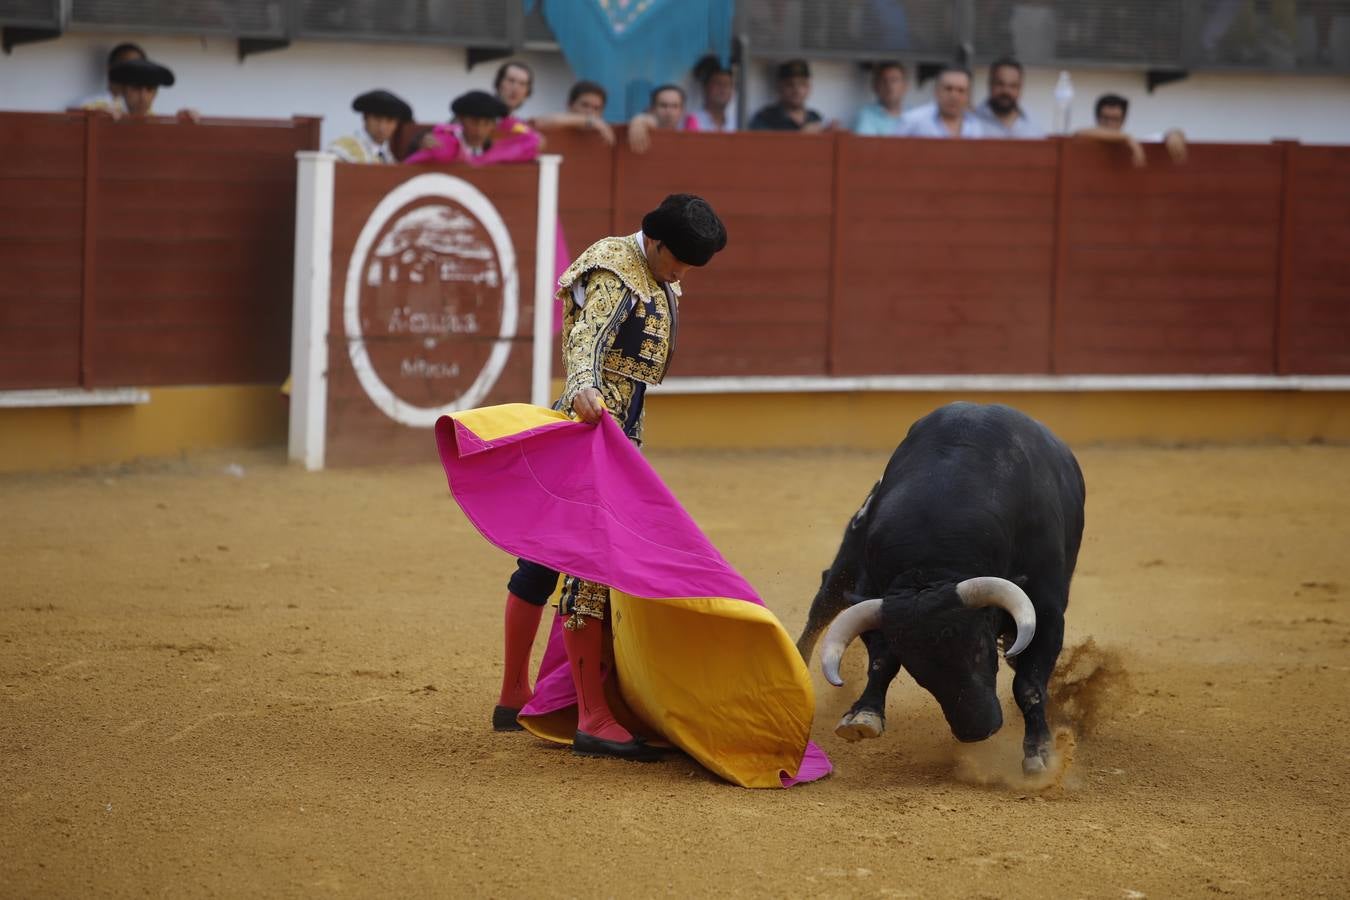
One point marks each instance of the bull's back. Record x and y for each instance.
(969, 485)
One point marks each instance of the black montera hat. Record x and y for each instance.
(140, 73)
(687, 225)
(479, 105)
(383, 103)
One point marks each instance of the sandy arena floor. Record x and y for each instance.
(279, 685)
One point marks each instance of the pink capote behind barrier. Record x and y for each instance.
(581, 499)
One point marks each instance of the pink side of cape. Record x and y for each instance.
(532, 493)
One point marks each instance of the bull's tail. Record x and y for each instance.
(827, 604)
(838, 581)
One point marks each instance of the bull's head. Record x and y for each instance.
(947, 637)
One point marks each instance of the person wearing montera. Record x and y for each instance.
(622, 297)
(381, 114)
(137, 81)
(585, 112)
(1001, 113)
(140, 80)
(481, 134)
(1109, 112)
(110, 100)
(949, 115)
(665, 112)
(790, 113)
(719, 87)
(882, 118)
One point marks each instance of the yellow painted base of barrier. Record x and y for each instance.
(174, 421)
(184, 419)
(878, 420)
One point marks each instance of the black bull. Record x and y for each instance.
(972, 492)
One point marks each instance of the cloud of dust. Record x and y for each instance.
(997, 762)
(1089, 686)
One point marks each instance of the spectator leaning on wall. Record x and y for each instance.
(882, 118)
(110, 100)
(1110, 111)
(1001, 113)
(665, 112)
(585, 112)
(381, 115)
(949, 116)
(790, 113)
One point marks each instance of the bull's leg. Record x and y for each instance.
(867, 717)
(1030, 689)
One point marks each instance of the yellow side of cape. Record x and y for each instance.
(718, 678)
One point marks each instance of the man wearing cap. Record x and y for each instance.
(790, 113)
(110, 100)
(478, 135)
(381, 113)
(622, 298)
(137, 82)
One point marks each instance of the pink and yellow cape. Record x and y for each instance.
(701, 662)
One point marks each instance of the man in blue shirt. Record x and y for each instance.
(1001, 114)
(949, 116)
(883, 117)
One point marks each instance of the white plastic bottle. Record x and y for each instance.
(1063, 102)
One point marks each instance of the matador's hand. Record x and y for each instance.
(588, 406)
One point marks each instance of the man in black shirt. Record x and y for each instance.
(790, 112)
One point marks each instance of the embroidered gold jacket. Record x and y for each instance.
(625, 331)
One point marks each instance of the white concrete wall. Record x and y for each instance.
(320, 78)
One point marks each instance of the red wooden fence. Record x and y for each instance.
(156, 253)
(146, 253)
(873, 256)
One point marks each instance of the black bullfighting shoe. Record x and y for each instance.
(504, 719)
(635, 750)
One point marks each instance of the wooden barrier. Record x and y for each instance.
(855, 256)
(153, 253)
(421, 300)
(146, 252)
(1314, 301)
(42, 209)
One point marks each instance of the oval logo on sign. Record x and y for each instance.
(431, 300)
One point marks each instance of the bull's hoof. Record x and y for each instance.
(860, 725)
(1036, 764)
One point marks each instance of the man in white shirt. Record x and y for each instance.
(719, 86)
(949, 116)
(1001, 113)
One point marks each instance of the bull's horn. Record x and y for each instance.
(862, 616)
(1000, 592)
